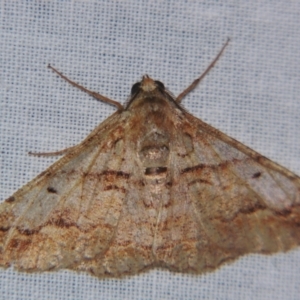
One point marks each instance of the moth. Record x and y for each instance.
(151, 186)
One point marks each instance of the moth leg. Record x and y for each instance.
(55, 153)
(196, 81)
(96, 95)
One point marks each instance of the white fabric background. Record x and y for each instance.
(252, 94)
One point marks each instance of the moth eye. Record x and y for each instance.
(160, 85)
(135, 88)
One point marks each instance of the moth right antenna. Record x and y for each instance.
(196, 81)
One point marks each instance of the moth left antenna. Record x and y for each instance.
(196, 81)
(96, 95)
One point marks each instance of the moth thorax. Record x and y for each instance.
(154, 153)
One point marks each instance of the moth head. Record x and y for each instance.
(147, 85)
(150, 91)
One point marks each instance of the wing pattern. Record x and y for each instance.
(231, 201)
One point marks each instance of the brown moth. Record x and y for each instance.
(152, 186)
